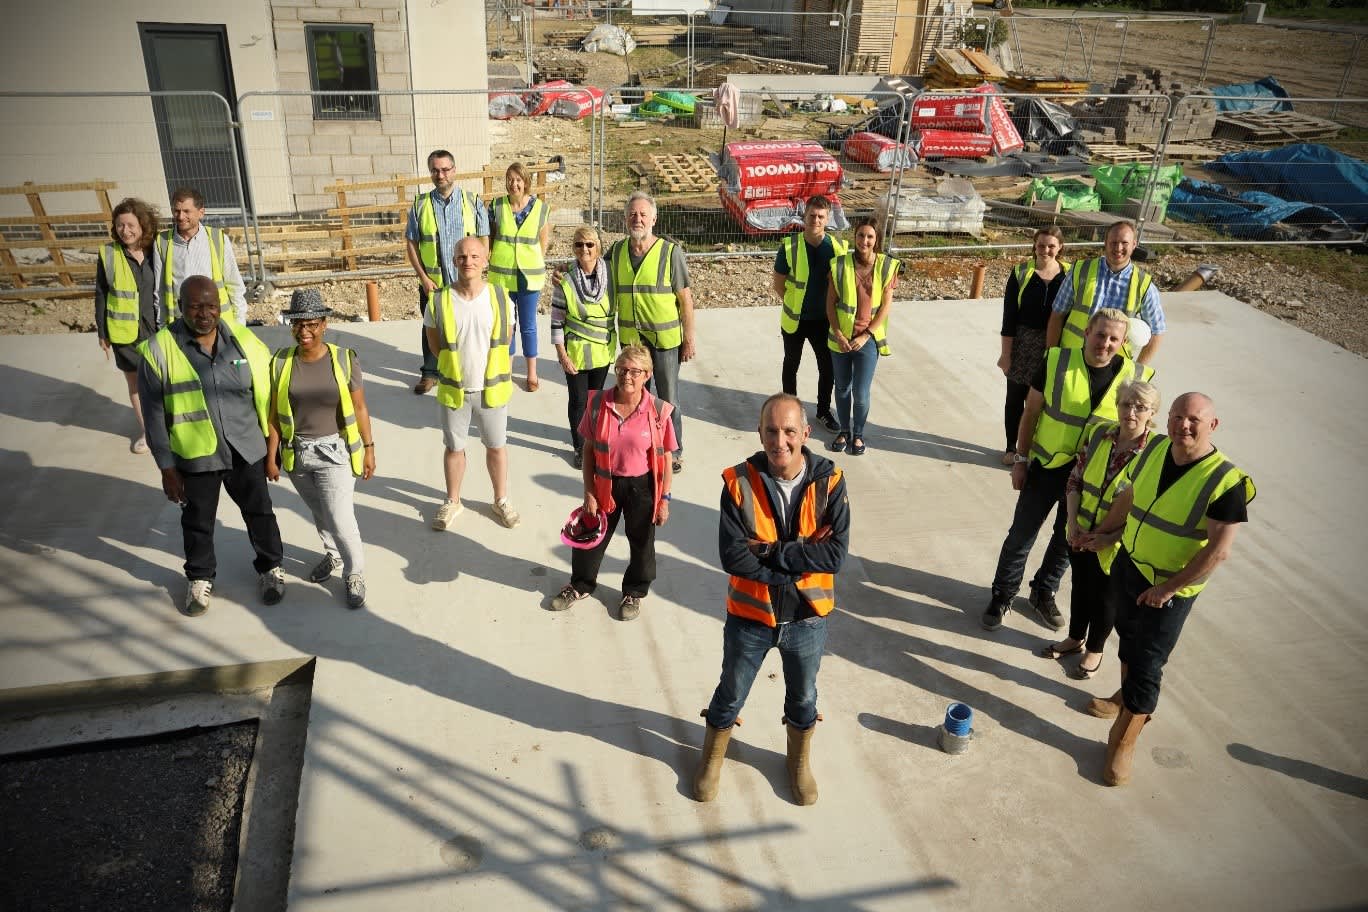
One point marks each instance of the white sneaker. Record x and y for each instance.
(504, 512)
(197, 597)
(446, 513)
(356, 591)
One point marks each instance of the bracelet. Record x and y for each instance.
(368, 445)
(665, 496)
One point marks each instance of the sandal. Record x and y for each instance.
(839, 444)
(533, 384)
(1079, 673)
(857, 449)
(1053, 651)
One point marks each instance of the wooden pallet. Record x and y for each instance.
(16, 272)
(560, 67)
(1044, 85)
(1119, 155)
(683, 173)
(1206, 150)
(1274, 127)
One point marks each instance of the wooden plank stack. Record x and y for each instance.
(1044, 84)
(1274, 127)
(961, 69)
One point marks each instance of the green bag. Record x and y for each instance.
(682, 102)
(1073, 195)
(1119, 184)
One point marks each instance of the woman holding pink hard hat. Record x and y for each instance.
(628, 440)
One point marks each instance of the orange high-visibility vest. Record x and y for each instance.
(749, 598)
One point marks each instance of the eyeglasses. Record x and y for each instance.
(312, 326)
(585, 245)
(633, 371)
(1133, 407)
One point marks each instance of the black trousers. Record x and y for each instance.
(245, 483)
(578, 388)
(1042, 492)
(1147, 635)
(1012, 410)
(814, 333)
(635, 497)
(1092, 615)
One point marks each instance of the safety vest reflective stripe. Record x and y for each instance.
(796, 281)
(217, 266)
(590, 332)
(498, 378)
(1084, 278)
(282, 366)
(1160, 542)
(428, 251)
(1098, 489)
(1068, 404)
(648, 312)
(750, 598)
(843, 276)
(517, 250)
(121, 301)
(192, 433)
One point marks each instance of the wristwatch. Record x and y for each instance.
(1017, 458)
(665, 496)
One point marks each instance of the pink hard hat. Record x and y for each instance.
(584, 532)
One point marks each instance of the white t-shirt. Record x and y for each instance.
(474, 321)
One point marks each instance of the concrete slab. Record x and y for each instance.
(467, 749)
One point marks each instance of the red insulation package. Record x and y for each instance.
(950, 112)
(578, 104)
(877, 151)
(1006, 137)
(540, 97)
(951, 144)
(776, 215)
(781, 169)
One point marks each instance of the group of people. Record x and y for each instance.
(1142, 518)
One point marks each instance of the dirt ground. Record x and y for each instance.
(138, 825)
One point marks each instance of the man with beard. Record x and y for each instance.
(205, 388)
(649, 282)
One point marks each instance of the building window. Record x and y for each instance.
(342, 63)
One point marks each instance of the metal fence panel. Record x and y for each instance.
(1272, 176)
(753, 203)
(335, 195)
(140, 144)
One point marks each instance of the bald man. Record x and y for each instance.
(1176, 523)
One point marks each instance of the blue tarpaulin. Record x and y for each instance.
(1305, 172)
(1250, 215)
(1265, 95)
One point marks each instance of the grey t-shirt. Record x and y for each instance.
(788, 487)
(314, 400)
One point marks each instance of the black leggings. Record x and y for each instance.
(1013, 409)
(814, 333)
(1091, 613)
(578, 387)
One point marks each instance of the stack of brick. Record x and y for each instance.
(1137, 120)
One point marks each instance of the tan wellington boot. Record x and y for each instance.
(1125, 732)
(709, 776)
(800, 765)
(1108, 707)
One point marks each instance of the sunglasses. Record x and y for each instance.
(585, 245)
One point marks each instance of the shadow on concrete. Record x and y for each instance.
(601, 860)
(46, 399)
(1354, 786)
(920, 735)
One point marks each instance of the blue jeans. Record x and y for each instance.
(744, 645)
(853, 373)
(1042, 492)
(526, 303)
(665, 384)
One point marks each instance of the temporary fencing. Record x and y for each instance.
(68, 156)
(1102, 48)
(334, 196)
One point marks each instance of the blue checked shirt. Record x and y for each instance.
(450, 228)
(1111, 292)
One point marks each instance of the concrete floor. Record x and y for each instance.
(468, 749)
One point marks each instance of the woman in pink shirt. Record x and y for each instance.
(628, 439)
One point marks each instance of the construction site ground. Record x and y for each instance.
(468, 749)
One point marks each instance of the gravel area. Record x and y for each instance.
(136, 825)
